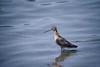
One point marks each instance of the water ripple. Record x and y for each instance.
(23, 43)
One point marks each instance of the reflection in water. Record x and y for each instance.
(65, 54)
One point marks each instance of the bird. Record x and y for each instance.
(61, 41)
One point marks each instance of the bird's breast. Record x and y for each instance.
(55, 37)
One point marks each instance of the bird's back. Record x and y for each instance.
(64, 43)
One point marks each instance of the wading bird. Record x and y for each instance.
(62, 42)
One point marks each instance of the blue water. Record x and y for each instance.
(23, 43)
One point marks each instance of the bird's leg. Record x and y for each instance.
(61, 49)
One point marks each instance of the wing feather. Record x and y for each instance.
(63, 42)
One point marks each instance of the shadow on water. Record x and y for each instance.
(61, 1)
(5, 26)
(63, 55)
(31, 0)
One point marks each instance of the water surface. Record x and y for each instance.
(23, 43)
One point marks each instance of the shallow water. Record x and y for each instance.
(23, 43)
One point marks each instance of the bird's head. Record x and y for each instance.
(53, 28)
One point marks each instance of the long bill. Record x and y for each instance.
(47, 31)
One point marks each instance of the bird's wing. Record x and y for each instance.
(63, 42)
(67, 42)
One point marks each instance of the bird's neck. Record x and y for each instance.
(55, 35)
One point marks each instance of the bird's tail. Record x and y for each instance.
(73, 46)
